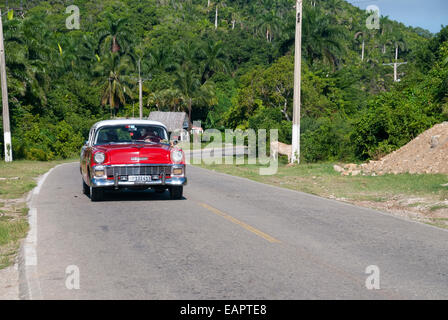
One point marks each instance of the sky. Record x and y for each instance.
(427, 14)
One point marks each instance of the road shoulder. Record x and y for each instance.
(9, 283)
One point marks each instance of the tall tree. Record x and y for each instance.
(114, 34)
(214, 59)
(111, 74)
(321, 39)
(193, 93)
(362, 35)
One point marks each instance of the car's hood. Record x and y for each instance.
(136, 153)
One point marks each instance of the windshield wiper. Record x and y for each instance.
(145, 141)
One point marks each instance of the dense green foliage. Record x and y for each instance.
(235, 74)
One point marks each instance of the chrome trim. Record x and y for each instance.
(116, 181)
(173, 181)
(145, 164)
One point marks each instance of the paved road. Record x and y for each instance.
(229, 238)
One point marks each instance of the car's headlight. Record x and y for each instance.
(177, 156)
(99, 157)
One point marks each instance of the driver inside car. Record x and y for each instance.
(150, 135)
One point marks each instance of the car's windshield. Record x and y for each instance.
(131, 133)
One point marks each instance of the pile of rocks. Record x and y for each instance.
(427, 153)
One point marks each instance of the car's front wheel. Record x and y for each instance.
(85, 188)
(176, 192)
(96, 194)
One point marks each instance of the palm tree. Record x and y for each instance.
(192, 91)
(235, 18)
(86, 53)
(334, 7)
(386, 29)
(113, 35)
(161, 58)
(111, 71)
(399, 44)
(219, 3)
(25, 61)
(321, 39)
(187, 54)
(67, 53)
(268, 23)
(214, 59)
(362, 35)
(168, 99)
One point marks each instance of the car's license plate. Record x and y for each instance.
(139, 178)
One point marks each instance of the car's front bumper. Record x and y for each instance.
(173, 181)
(164, 179)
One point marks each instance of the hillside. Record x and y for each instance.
(227, 63)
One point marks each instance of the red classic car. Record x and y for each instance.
(131, 154)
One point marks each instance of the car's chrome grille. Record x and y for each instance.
(137, 170)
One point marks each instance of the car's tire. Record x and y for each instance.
(96, 194)
(85, 188)
(176, 192)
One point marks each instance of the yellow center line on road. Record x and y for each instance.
(240, 223)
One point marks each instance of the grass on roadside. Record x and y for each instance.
(321, 179)
(17, 178)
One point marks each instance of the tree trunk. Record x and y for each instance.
(115, 45)
(362, 50)
(284, 111)
(216, 17)
(190, 123)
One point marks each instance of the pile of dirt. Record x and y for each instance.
(427, 153)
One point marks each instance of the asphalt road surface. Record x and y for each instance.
(229, 238)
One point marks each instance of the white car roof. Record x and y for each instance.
(118, 122)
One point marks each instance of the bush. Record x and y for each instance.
(326, 139)
(37, 139)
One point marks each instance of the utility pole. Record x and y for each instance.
(395, 65)
(6, 127)
(295, 157)
(140, 88)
